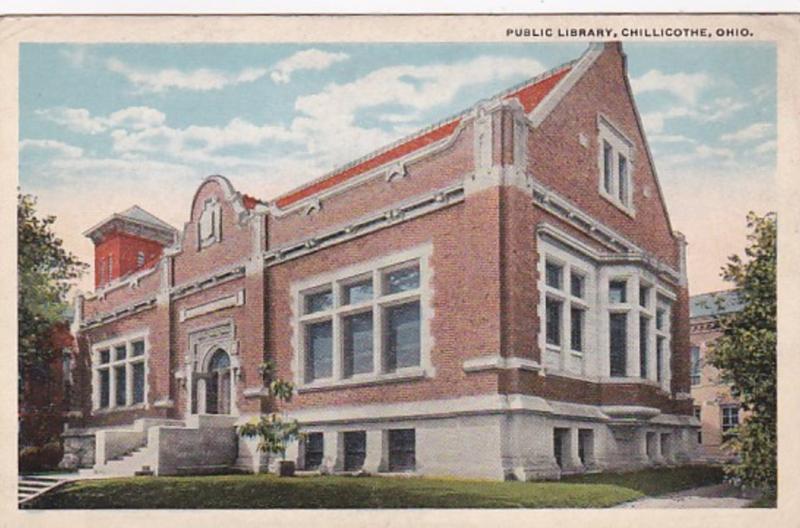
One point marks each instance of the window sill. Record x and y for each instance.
(618, 204)
(118, 408)
(364, 380)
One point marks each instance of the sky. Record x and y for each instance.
(103, 127)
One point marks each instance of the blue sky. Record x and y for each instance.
(103, 127)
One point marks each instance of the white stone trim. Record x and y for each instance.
(402, 212)
(206, 282)
(220, 303)
(124, 311)
(131, 281)
(466, 405)
(389, 170)
(109, 344)
(497, 362)
(621, 247)
(566, 84)
(608, 132)
(422, 254)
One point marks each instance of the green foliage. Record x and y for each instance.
(745, 354)
(35, 458)
(45, 272)
(273, 431)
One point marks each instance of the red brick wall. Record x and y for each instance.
(434, 172)
(557, 159)
(124, 249)
(237, 240)
(465, 301)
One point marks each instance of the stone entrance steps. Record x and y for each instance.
(31, 486)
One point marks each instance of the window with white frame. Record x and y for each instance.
(663, 341)
(615, 164)
(696, 365)
(119, 372)
(363, 325)
(601, 320)
(566, 305)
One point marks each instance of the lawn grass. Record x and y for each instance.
(269, 491)
(653, 482)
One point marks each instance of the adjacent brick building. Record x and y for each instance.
(714, 405)
(500, 295)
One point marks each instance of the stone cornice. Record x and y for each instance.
(388, 217)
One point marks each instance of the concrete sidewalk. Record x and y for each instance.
(716, 496)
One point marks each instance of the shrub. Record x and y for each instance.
(40, 458)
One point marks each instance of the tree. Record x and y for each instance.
(45, 272)
(273, 431)
(745, 354)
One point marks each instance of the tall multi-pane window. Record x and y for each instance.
(565, 308)
(644, 344)
(576, 328)
(698, 415)
(622, 175)
(365, 324)
(402, 336)
(553, 308)
(696, 365)
(618, 343)
(615, 165)
(319, 350)
(608, 166)
(663, 341)
(120, 374)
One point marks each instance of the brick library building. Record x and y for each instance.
(500, 295)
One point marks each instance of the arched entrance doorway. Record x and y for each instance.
(218, 383)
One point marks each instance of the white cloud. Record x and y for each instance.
(686, 86)
(80, 119)
(328, 117)
(202, 79)
(76, 119)
(718, 110)
(767, 146)
(749, 133)
(200, 143)
(50, 145)
(670, 138)
(310, 59)
(76, 56)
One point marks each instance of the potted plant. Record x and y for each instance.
(273, 430)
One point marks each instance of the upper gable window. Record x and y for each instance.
(616, 167)
(209, 228)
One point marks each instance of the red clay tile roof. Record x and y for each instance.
(249, 201)
(529, 96)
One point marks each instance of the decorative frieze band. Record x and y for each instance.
(387, 218)
(125, 311)
(207, 282)
(227, 301)
(571, 214)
